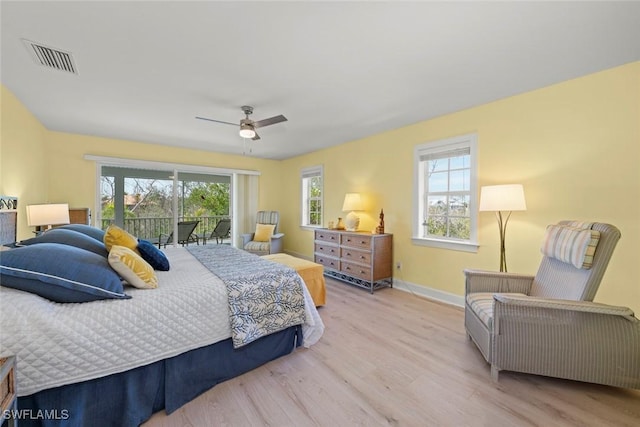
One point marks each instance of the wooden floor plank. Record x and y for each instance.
(393, 358)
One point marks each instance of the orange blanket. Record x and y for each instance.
(311, 273)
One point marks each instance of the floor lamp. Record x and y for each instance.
(502, 198)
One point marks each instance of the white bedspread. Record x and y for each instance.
(58, 344)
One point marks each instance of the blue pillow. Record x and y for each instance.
(90, 231)
(153, 255)
(68, 237)
(61, 273)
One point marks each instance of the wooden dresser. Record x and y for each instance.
(359, 258)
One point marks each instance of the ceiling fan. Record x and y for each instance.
(247, 126)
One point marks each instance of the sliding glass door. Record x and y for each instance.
(149, 203)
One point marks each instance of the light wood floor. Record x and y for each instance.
(393, 358)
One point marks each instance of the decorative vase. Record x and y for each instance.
(340, 224)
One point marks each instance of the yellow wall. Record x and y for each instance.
(23, 165)
(575, 147)
(41, 166)
(66, 151)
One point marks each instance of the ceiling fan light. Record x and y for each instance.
(246, 131)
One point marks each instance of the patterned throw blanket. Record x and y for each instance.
(264, 297)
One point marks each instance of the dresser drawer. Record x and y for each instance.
(324, 249)
(356, 270)
(327, 262)
(355, 255)
(327, 236)
(356, 241)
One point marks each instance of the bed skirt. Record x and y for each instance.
(130, 398)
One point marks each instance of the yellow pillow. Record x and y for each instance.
(263, 232)
(117, 236)
(132, 268)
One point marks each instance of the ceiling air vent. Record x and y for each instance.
(51, 57)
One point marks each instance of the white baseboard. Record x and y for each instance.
(423, 291)
(430, 293)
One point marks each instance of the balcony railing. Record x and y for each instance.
(151, 228)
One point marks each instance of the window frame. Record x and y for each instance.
(443, 146)
(244, 195)
(305, 175)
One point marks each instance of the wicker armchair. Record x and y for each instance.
(548, 325)
(272, 244)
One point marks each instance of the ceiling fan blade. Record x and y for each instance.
(257, 137)
(217, 121)
(270, 121)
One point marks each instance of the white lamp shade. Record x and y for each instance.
(509, 197)
(49, 214)
(352, 202)
(246, 131)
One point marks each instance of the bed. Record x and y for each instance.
(117, 361)
(312, 275)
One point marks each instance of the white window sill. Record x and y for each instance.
(446, 244)
(312, 227)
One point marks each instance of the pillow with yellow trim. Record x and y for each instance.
(575, 246)
(132, 268)
(115, 235)
(263, 232)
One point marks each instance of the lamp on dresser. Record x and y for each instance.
(46, 215)
(502, 198)
(352, 203)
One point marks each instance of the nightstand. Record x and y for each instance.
(8, 395)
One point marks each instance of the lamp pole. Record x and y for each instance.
(502, 225)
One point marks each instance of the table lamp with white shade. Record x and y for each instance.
(46, 215)
(352, 203)
(502, 198)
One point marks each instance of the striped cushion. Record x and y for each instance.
(258, 247)
(482, 305)
(579, 224)
(570, 244)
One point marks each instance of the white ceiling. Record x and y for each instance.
(338, 71)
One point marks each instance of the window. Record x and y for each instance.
(148, 197)
(445, 212)
(312, 188)
(143, 201)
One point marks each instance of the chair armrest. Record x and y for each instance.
(160, 239)
(246, 238)
(569, 305)
(577, 340)
(493, 281)
(276, 243)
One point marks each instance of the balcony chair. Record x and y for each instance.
(185, 234)
(220, 232)
(547, 324)
(266, 239)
